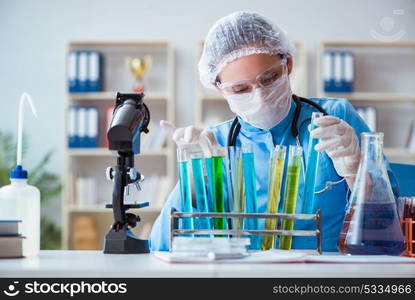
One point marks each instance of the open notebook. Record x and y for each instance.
(280, 256)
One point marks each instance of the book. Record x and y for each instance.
(86, 191)
(11, 246)
(11, 241)
(9, 227)
(410, 141)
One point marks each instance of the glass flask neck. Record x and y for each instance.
(372, 148)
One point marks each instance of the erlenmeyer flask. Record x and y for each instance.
(371, 224)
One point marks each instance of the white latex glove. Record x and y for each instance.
(191, 136)
(338, 139)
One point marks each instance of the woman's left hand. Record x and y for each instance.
(338, 139)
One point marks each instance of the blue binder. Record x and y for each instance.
(94, 78)
(73, 67)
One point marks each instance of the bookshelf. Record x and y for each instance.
(156, 163)
(384, 76)
(212, 108)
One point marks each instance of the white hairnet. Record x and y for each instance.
(236, 35)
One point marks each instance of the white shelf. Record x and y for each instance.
(102, 209)
(369, 96)
(106, 152)
(399, 152)
(110, 96)
(367, 44)
(212, 97)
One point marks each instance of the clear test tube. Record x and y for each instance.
(308, 205)
(185, 188)
(200, 188)
(291, 192)
(251, 204)
(235, 185)
(275, 175)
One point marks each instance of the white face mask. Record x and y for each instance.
(264, 107)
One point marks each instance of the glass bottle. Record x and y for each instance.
(371, 225)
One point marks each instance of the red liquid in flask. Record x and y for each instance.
(372, 229)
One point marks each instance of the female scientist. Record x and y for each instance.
(248, 60)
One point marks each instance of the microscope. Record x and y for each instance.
(130, 117)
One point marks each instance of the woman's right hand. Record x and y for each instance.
(191, 135)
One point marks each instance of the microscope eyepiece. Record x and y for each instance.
(130, 117)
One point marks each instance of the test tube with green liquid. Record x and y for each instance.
(276, 172)
(250, 193)
(214, 168)
(236, 185)
(185, 188)
(311, 171)
(291, 192)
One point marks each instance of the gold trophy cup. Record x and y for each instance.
(138, 67)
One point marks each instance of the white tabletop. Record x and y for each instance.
(96, 264)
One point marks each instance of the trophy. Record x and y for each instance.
(138, 67)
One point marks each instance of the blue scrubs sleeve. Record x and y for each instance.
(160, 233)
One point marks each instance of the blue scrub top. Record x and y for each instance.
(332, 202)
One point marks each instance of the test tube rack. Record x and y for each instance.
(408, 226)
(175, 216)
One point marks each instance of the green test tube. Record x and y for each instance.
(275, 174)
(218, 196)
(291, 192)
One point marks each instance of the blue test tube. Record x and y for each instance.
(251, 204)
(308, 205)
(200, 189)
(185, 189)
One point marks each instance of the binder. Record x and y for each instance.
(92, 127)
(337, 57)
(81, 128)
(83, 71)
(110, 110)
(73, 83)
(328, 71)
(348, 71)
(94, 81)
(72, 127)
(338, 71)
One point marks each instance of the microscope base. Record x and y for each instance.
(124, 242)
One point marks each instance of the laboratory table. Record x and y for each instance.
(83, 264)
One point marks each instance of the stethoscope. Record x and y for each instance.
(236, 128)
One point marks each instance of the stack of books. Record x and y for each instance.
(11, 241)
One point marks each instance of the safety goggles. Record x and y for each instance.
(268, 78)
